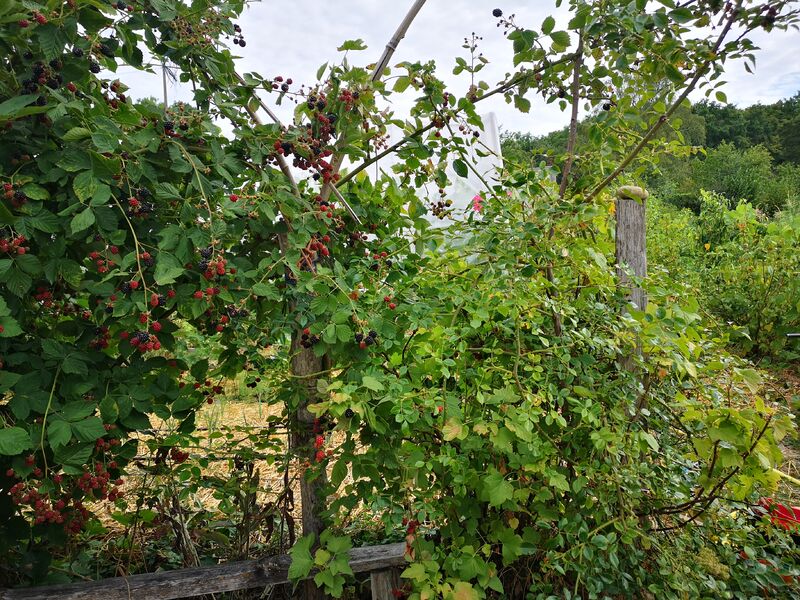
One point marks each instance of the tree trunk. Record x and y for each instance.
(303, 366)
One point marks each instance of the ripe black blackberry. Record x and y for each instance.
(359, 338)
(169, 126)
(497, 13)
(206, 253)
(77, 52)
(349, 413)
(94, 68)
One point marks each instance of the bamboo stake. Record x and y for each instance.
(392, 44)
(377, 73)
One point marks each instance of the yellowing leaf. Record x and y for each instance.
(464, 591)
(453, 429)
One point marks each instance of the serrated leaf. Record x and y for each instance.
(168, 269)
(105, 141)
(35, 191)
(59, 433)
(83, 220)
(10, 327)
(84, 185)
(11, 106)
(560, 38)
(371, 383)
(352, 45)
(497, 489)
(302, 561)
(453, 429)
(76, 133)
(265, 290)
(89, 430)
(548, 24)
(18, 282)
(14, 440)
(681, 15)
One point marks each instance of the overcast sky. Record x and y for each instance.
(293, 38)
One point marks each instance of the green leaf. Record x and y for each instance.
(560, 38)
(89, 429)
(35, 192)
(59, 433)
(14, 440)
(74, 454)
(265, 290)
(302, 561)
(18, 282)
(76, 133)
(460, 167)
(84, 185)
(12, 105)
(83, 220)
(548, 24)
(522, 104)
(168, 269)
(73, 364)
(371, 383)
(352, 45)
(10, 327)
(52, 39)
(6, 216)
(497, 489)
(681, 15)
(105, 141)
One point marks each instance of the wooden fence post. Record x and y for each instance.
(383, 583)
(631, 240)
(631, 255)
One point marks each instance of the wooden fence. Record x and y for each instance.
(382, 562)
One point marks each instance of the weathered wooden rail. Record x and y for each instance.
(381, 562)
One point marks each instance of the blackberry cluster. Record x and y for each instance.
(364, 341)
(254, 383)
(238, 38)
(307, 340)
(236, 313)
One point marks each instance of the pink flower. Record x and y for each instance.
(477, 203)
